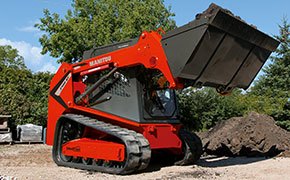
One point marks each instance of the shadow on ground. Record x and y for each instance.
(213, 161)
(207, 161)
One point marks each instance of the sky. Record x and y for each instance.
(18, 17)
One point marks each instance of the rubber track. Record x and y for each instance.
(193, 147)
(138, 152)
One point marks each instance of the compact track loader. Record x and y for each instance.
(115, 109)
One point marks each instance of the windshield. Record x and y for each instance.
(160, 103)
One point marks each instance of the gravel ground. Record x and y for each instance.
(34, 162)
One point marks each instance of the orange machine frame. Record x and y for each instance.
(148, 52)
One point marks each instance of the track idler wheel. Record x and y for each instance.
(70, 131)
(192, 148)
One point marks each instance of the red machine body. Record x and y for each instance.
(147, 52)
(68, 82)
(87, 148)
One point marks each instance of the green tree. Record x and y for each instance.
(9, 58)
(22, 93)
(202, 108)
(99, 22)
(38, 97)
(13, 71)
(274, 85)
(276, 80)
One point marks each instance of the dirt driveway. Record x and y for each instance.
(34, 162)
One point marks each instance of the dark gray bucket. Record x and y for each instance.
(217, 49)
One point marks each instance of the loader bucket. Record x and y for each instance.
(217, 49)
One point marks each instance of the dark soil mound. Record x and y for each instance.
(210, 11)
(252, 135)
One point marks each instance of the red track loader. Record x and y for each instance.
(117, 107)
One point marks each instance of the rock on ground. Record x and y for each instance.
(252, 135)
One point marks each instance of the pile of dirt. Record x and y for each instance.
(211, 11)
(252, 135)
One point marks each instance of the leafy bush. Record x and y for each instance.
(202, 108)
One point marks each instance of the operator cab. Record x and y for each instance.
(136, 96)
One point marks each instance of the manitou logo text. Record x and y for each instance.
(101, 60)
(75, 149)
